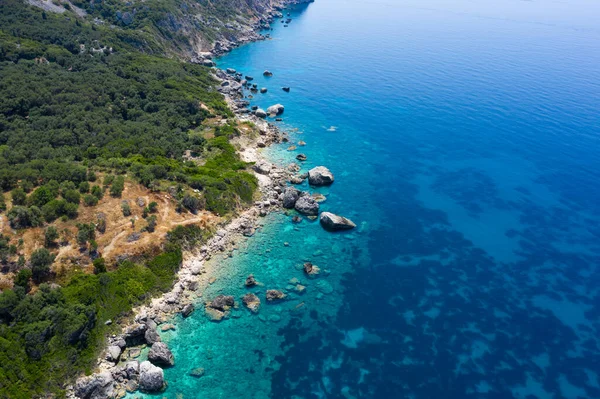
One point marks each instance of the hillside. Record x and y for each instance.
(115, 156)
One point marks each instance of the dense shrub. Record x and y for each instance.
(41, 259)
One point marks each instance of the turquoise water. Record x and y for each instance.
(464, 140)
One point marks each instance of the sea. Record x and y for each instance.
(464, 137)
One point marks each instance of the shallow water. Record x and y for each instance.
(464, 141)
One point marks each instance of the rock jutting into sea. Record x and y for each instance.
(334, 222)
(320, 176)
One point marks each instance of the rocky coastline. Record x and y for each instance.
(118, 371)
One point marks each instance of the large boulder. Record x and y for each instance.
(252, 302)
(260, 113)
(222, 302)
(96, 386)
(151, 336)
(187, 310)
(160, 354)
(263, 167)
(290, 196)
(250, 281)
(320, 176)
(113, 352)
(132, 369)
(307, 205)
(334, 222)
(152, 378)
(276, 109)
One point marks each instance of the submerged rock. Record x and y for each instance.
(152, 378)
(197, 372)
(160, 354)
(263, 90)
(320, 176)
(274, 295)
(268, 73)
(286, 89)
(214, 314)
(301, 157)
(252, 302)
(307, 205)
(333, 222)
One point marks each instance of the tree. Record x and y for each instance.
(117, 187)
(151, 224)
(50, 236)
(90, 200)
(191, 202)
(99, 266)
(21, 217)
(2, 202)
(41, 196)
(84, 187)
(19, 197)
(72, 196)
(41, 259)
(87, 232)
(22, 278)
(97, 192)
(125, 208)
(153, 207)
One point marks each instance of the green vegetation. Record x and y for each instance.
(51, 336)
(78, 101)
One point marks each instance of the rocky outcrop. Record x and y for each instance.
(113, 352)
(222, 302)
(307, 205)
(250, 281)
(333, 222)
(252, 302)
(290, 196)
(151, 336)
(187, 310)
(263, 167)
(274, 295)
(320, 176)
(152, 378)
(310, 269)
(161, 355)
(97, 386)
(275, 110)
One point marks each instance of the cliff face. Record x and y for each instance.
(184, 28)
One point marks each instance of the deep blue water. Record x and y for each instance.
(464, 137)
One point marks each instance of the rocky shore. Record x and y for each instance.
(247, 33)
(118, 371)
